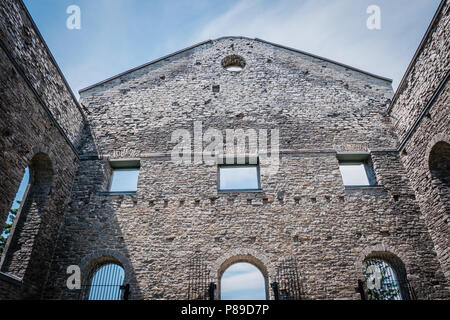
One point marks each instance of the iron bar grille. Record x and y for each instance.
(384, 283)
(199, 280)
(106, 284)
(287, 284)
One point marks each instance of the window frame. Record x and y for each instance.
(123, 164)
(364, 158)
(239, 165)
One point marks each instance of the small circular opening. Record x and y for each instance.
(233, 63)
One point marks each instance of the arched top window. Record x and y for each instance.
(106, 283)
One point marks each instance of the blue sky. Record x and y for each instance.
(117, 35)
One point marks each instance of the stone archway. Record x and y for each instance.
(243, 258)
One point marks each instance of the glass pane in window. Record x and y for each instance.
(239, 178)
(124, 180)
(354, 174)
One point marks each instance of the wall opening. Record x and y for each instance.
(439, 164)
(385, 278)
(233, 63)
(5, 232)
(26, 226)
(242, 281)
(106, 282)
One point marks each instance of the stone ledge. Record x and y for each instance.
(11, 279)
(237, 192)
(366, 189)
(116, 193)
(378, 187)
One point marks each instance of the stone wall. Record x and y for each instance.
(423, 97)
(304, 211)
(23, 39)
(320, 108)
(39, 125)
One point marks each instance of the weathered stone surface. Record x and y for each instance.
(303, 211)
(27, 132)
(429, 71)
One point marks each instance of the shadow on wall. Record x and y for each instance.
(93, 235)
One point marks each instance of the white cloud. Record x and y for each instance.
(333, 29)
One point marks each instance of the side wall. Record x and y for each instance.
(40, 121)
(303, 211)
(422, 116)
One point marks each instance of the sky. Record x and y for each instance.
(117, 35)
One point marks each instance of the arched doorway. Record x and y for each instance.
(243, 277)
(243, 281)
(385, 277)
(106, 282)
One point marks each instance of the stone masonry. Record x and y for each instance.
(320, 107)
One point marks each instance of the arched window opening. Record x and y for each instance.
(383, 282)
(243, 281)
(12, 214)
(233, 63)
(439, 163)
(25, 230)
(106, 283)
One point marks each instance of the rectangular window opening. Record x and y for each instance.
(239, 177)
(356, 169)
(125, 175)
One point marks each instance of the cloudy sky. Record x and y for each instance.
(242, 281)
(117, 35)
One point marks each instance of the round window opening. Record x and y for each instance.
(233, 63)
